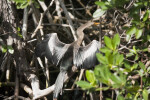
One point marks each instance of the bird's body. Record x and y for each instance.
(67, 55)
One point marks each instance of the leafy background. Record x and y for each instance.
(123, 69)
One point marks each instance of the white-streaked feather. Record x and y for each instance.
(57, 48)
(85, 57)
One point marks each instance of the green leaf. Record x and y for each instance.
(84, 85)
(120, 59)
(131, 30)
(120, 97)
(100, 74)
(138, 33)
(118, 80)
(127, 65)
(91, 77)
(137, 94)
(110, 58)
(148, 38)
(142, 65)
(102, 59)
(10, 49)
(102, 5)
(130, 54)
(128, 37)
(133, 50)
(132, 89)
(116, 41)
(4, 48)
(134, 66)
(108, 42)
(18, 29)
(98, 13)
(136, 57)
(141, 72)
(103, 88)
(20, 35)
(145, 94)
(105, 50)
(22, 5)
(146, 15)
(115, 81)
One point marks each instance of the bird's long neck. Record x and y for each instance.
(80, 33)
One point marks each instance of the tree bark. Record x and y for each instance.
(9, 25)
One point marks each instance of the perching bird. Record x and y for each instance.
(67, 55)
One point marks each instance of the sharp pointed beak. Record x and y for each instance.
(96, 23)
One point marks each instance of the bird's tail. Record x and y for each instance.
(59, 84)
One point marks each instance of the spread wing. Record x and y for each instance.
(85, 57)
(57, 48)
(52, 48)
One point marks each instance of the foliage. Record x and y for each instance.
(21, 4)
(114, 72)
(122, 70)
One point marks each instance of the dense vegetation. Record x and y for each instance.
(124, 33)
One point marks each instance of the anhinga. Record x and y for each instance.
(67, 55)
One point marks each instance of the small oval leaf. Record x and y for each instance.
(91, 77)
(10, 49)
(108, 42)
(128, 37)
(138, 33)
(98, 13)
(131, 30)
(116, 41)
(146, 15)
(145, 94)
(84, 84)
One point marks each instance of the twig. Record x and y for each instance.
(58, 9)
(47, 72)
(16, 92)
(69, 20)
(101, 93)
(41, 19)
(25, 23)
(91, 96)
(44, 7)
(87, 11)
(47, 24)
(130, 5)
(38, 27)
(74, 83)
(35, 14)
(26, 88)
(81, 74)
(8, 69)
(19, 97)
(42, 66)
(37, 93)
(73, 19)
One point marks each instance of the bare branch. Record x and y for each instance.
(25, 24)
(69, 20)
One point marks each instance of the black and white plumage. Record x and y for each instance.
(67, 55)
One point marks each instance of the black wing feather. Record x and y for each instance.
(85, 57)
(52, 48)
(40, 49)
(57, 48)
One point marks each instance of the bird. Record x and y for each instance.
(67, 55)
